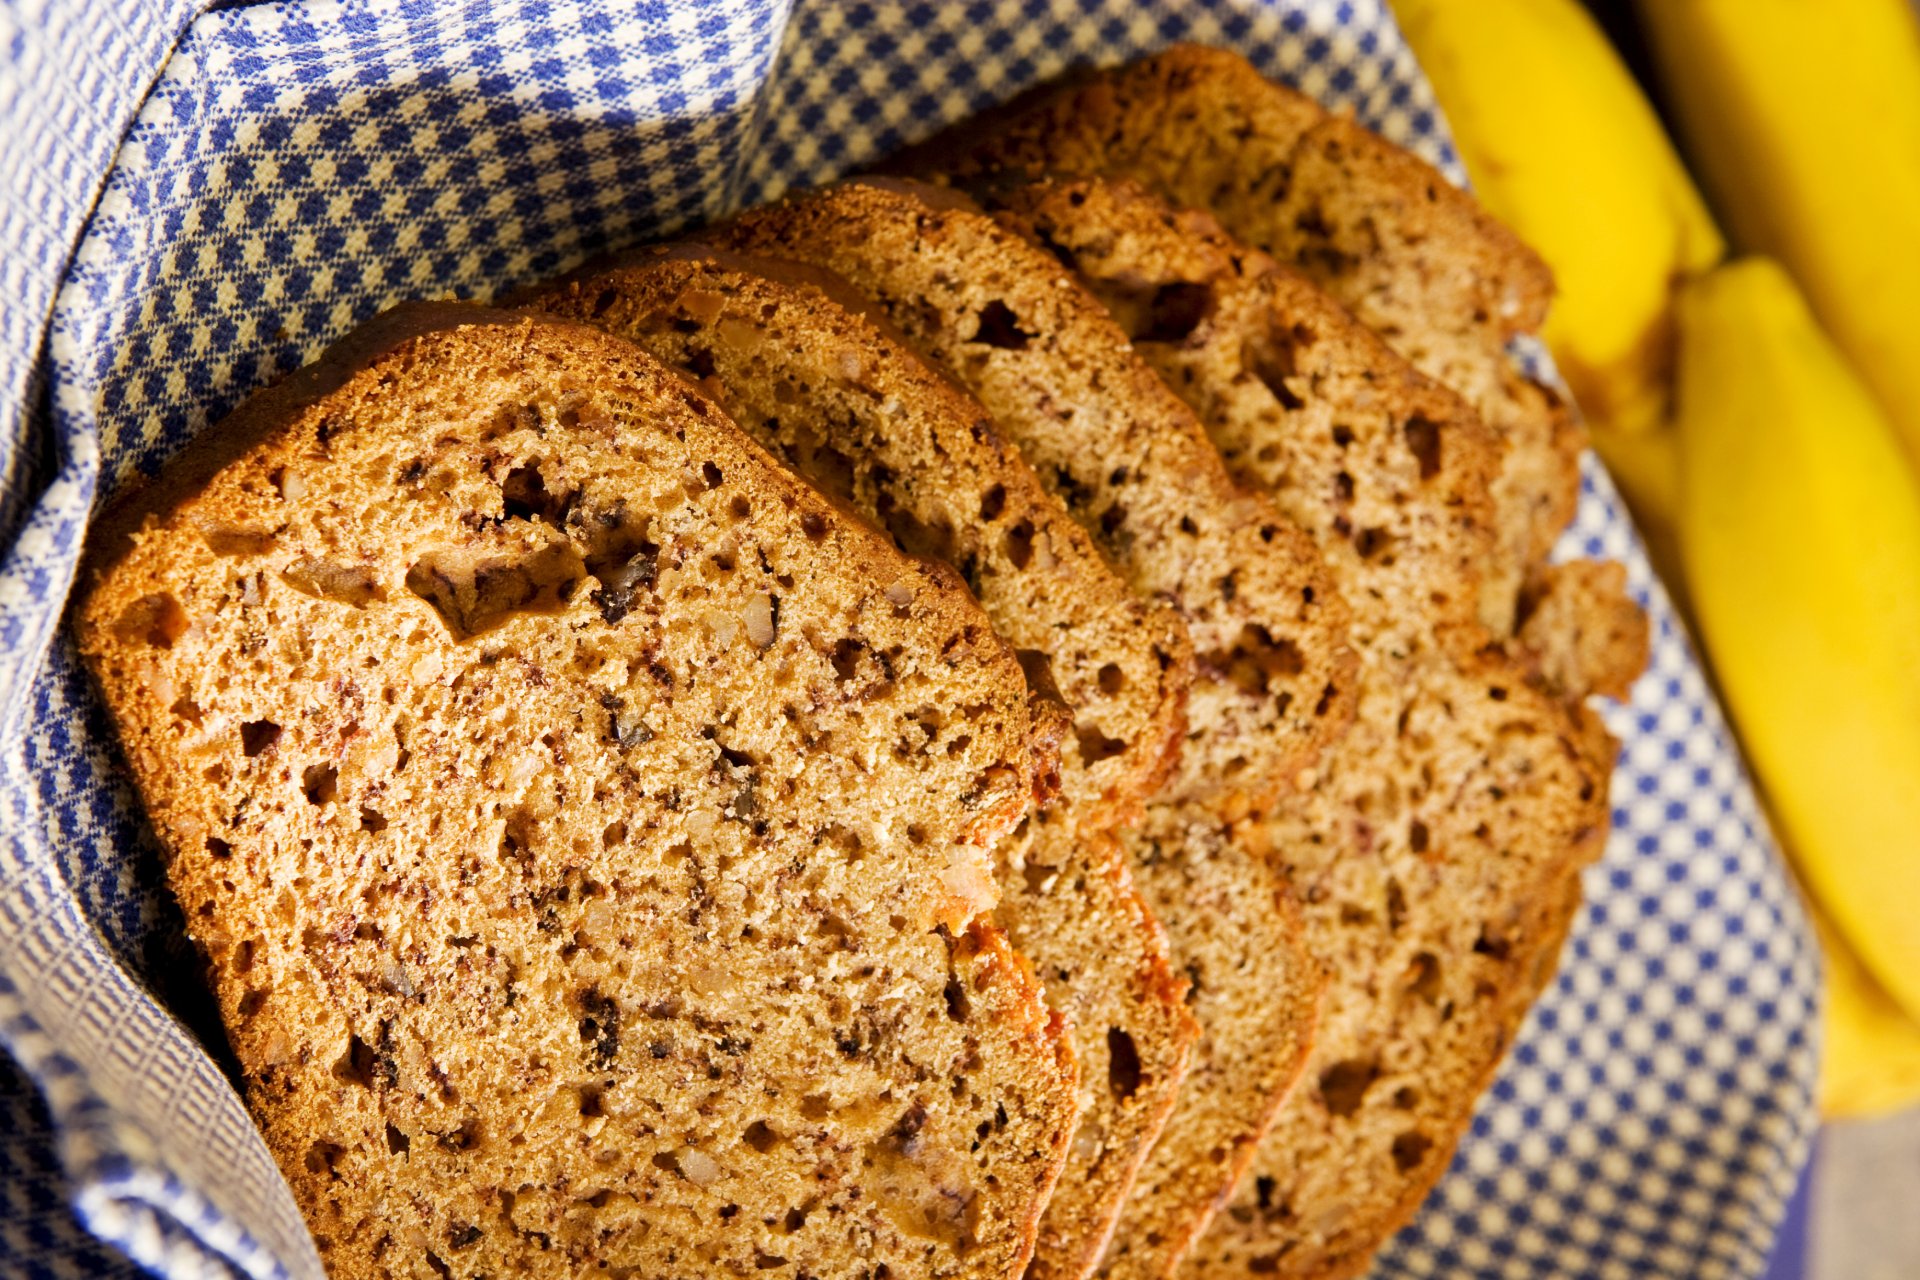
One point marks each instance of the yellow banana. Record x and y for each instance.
(1871, 1062)
(1803, 120)
(1646, 467)
(1800, 532)
(1561, 145)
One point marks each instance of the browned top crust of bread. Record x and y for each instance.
(795, 358)
(1437, 853)
(1122, 453)
(1414, 257)
(585, 824)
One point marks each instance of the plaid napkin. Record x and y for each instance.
(192, 203)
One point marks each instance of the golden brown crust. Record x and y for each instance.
(809, 368)
(476, 683)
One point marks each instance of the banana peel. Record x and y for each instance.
(1803, 121)
(1800, 534)
(1871, 1060)
(1561, 145)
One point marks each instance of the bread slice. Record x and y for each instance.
(1412, 256)
(796, 359)
(1122, 453)
(1129, 460)
(586, 824)
(1437, 855)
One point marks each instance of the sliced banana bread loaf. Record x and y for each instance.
(805, 366)
(1437, 855)
(1412, 255)
(1122, 453)
(1388, 471)
(586, 823)
(1130, 461)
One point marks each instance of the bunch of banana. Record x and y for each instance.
(1562, 146)
(1804, 122)
(1765, 473)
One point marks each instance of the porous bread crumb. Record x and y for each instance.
(1134, 466)
(1414, 257)
(1582, 631)
(803, 364)
(1437, 852)
(560, 916)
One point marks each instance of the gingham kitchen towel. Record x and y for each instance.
(192, 203)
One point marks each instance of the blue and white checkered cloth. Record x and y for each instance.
(192, 203)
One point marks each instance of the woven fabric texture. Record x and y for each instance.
(194, 203)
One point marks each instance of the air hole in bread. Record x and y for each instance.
(1409, 1149)
(1417, 836)
(398, 1143)
(323, 1156)
(1112, 679)
(1344, 1085)
(1020, 544)
(1406, 1097)
(1095, 745)
(155, 620)
(218, 848)
(1492, 944)
(474, 594)
(913, 535)
(992, 503)
(592, 1101)
(795, 1219)
(1273, 362)
(712, 474)
(1423, 978)
(1123, 1064)
(959, 1007)
(257, 736)
(1372, 543)
(524, 496)
(999, 327)
(1396, 904)
(1423, 439)
(320, 782)
(1256, 659)
(761, 1136)
(364, 1066)
(516, 837)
